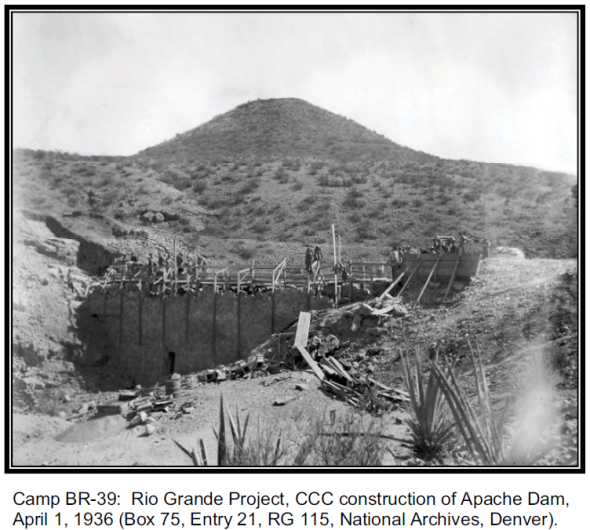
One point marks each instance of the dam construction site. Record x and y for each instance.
(216, 302)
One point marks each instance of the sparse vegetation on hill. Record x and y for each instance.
(285, 170)
(279, 128)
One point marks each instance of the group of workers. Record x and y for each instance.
(164, 265)
(440, 245)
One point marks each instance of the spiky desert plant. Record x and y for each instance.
(198, 458)
(430, 428)
(484, 432)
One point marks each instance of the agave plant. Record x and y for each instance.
(429, 426)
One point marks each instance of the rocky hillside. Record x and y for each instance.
(283, 171)
(279, 128)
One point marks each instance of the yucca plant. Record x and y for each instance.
(429, 426)
(483, 433)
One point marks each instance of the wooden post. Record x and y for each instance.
(238, 341)
(140, 311)
(351, 282)
(364, 277)
(272, 286)
(339, 249)
(163, 321)
(371, 281)
(455, 268)
(186, 316)
(120, 317)
(335, 261)
(252, 275)
(427, 281)
(214, 327)
(285, 272)
(272, 311)
(175, 268)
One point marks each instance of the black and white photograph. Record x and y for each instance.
(293, 240)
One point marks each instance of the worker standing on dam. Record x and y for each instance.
(308, 259)
(317, 254)
(394, 261)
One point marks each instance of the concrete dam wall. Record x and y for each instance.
(150, 337)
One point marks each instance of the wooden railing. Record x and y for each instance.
(362, 274)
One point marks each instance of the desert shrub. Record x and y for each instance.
(359, 178)
(259, 227)
(244, 252)
(353, 198)
(281, 176)
(366, 231)
(228, 177)
(352, 440)
(307, 203)
(107, 179)
(248, 187)
(199, 186)
(297, 185)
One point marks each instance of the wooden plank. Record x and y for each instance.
(393, 284)
(312, 364)
(411, 276)
(341, 369)
(454, 273)
(426, 283)
(302, 329)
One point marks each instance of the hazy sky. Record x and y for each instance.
(489, 87)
